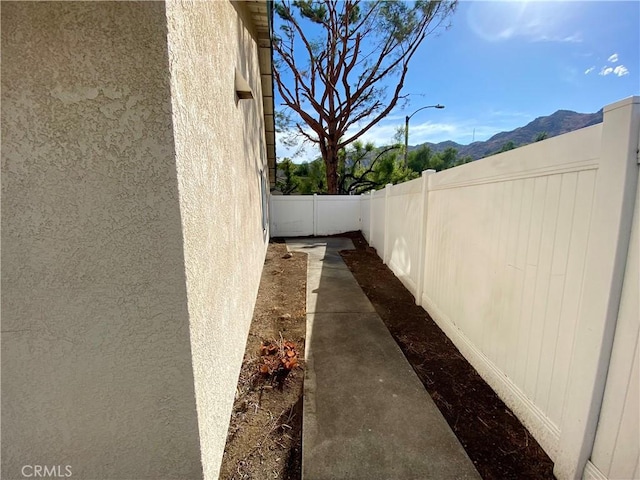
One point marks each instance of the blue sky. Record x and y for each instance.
(501, 64)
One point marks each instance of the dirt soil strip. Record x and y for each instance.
(495, 440)
(265, 432)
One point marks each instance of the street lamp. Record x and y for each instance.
(406, 128)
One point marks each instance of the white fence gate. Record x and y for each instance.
(303, 215)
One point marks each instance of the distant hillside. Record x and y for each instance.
(563, 121)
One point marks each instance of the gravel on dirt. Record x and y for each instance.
(264, 439)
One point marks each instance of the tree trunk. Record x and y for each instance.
(331, 164)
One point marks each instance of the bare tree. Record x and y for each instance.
(335, 61)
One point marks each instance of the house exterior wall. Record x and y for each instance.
(220, 155)
(132, 236)
(96, 358)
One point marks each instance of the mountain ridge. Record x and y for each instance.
(558, 123)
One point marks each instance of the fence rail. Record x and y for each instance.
(527, 261)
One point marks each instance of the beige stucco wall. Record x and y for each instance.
(220, 151)
(132, 236)
(96, 358)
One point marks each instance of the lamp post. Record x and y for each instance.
(406, 128)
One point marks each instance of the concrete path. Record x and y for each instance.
(366, 413)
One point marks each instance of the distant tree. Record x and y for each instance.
(420, 159)
(423, 159)
(463, 160)
(312, 177)
(302, 178)
(541, 136)
(362, 167)
(445, 159)
(287, 180)
(337, 83)
(507, 146)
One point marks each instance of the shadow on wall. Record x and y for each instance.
(254, 153)
(400, 261)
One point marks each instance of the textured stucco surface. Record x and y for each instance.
(220, 152)
(96, 358)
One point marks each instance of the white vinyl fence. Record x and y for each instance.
(303, 215)
(528, 261)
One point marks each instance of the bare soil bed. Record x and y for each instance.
(495, 440)
(265, 434)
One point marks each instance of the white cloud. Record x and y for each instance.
(421, 129)
(431, 132)
(621, 71)
(589, 70)
(462, 131)
(613, 58)
(380, 134)
(457, 130)
(508, 114)
(575, 38)
(531, 21)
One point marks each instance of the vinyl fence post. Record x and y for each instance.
(602, 286)
(424, 216)
(270, 217)
(371, 217)
(315, 214)
(360, 213)
(386, 249)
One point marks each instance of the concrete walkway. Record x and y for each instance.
(366, 413)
